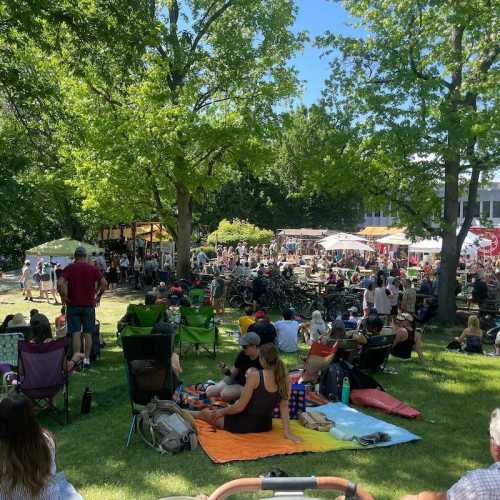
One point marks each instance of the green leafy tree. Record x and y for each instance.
(200, 98)
(421, 89)
(231, 232)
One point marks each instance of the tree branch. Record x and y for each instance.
(103, 94)
(206, 26)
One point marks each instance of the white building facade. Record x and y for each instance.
(487, 206)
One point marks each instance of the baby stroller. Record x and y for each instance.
(282, 485)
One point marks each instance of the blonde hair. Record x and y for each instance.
(316, 317)
(270, 356)
(473, 323)
(495, 426)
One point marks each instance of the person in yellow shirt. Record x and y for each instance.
(246, 320)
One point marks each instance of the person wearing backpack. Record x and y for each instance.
(217, 294)
(264, 390)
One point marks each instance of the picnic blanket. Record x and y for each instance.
(222, 446)
(354, 423)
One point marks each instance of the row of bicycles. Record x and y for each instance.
(304, 298)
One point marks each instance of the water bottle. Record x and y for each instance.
(346, 389)
(86, 401)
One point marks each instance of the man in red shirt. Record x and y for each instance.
(78, 290)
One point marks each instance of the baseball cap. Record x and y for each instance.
(251, 338)
(260, 314)
(353, 309)
(80, 252)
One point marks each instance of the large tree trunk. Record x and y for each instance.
(184, 224)
(450, 250)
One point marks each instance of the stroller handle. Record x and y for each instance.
(288, 484)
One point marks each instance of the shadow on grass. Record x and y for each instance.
(456, 396)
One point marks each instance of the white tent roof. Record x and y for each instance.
(342, 237)
(395, 239)
(472, 239)
(333, 244)
(426, 246)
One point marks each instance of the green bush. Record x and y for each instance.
(209, 250)
(231, 232)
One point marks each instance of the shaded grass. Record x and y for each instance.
(455, 395)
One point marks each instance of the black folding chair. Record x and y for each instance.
(375, 352)
(149, 371)
(347, 349)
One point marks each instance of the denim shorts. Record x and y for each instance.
(80, 319)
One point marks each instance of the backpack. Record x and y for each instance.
(166, 428)
(330, 384)
(332, 379)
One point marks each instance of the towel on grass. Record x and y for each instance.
(352, 422)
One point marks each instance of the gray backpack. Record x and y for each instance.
(165, 427)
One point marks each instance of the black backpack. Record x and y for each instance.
(332, 379)
(330, 384)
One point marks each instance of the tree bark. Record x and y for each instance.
(184, 224)
(450, 250)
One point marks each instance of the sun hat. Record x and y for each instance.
(251, 338)
(260, 314)
(17, 320)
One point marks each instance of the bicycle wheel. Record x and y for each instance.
(236, 301)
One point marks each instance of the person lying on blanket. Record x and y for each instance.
(231, 387)
(479, 484)
(263, 391)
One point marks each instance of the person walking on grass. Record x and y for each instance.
(81, 287)
(27, 280)
(217, 294)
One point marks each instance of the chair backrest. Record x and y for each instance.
(147, 315)
(197, 295)
(151, 352)
(199, 317)
(347, 349)
(9, 348)
(135, 330)
(42, 368)
(375, 352)
(26, 331)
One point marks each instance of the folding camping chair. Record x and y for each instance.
(375, 352)
(43, 374)
(198, 329)
(132, 330)
(347, 349)
(149, 371)
(197, 296)
(142, 315)
(26, 331)
(8, 356)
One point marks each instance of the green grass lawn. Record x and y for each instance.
(456, 396)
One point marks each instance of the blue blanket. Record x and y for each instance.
(351, 423)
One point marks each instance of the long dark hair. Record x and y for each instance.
(271, 357)
(25, 456)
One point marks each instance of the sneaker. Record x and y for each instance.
(86, 363)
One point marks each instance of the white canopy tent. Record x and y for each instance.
(332, 244)
(395, 239)
(341, 237)
(426, 246)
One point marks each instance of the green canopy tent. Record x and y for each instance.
(64, 247)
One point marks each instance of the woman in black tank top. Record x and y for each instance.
(264, 390)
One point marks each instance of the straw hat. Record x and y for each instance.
(17, 320)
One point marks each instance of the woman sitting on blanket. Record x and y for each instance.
(263, 391)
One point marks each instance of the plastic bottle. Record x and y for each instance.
(346, 390)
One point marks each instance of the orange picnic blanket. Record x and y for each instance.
(222, 446)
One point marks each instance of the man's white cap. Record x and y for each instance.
(495, 426)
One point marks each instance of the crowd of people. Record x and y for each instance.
(258, 380)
